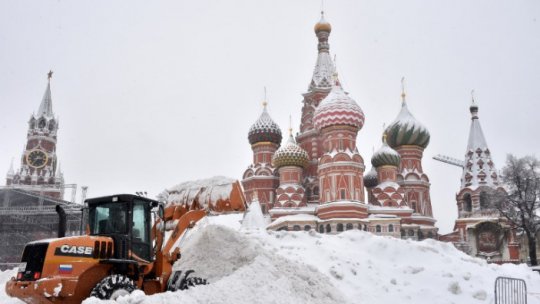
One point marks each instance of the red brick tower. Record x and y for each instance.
(40, 172)
(338, 119)
(290, 160)
(409, 138)
(319, 87)
(261, 177)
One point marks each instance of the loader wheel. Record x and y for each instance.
(112, 287)
(179, 282)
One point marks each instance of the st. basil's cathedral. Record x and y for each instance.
(318, 180)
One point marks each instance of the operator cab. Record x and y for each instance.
(127, 219)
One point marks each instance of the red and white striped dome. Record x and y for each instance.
(338, 109)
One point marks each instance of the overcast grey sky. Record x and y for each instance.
(150, 94)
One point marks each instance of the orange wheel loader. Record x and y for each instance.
(124, 249)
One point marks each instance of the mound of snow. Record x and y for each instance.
(4, 277)
(254, 218)
(240, 270)
(381, 270)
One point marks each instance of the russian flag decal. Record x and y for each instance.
(65, 268)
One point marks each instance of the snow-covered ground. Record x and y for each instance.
(255, 266)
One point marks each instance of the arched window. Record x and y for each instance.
(390, 228)
(296, 228)
(349, 226)
(430, 235)
(365, 227)
(307, 228)
(52, 125)
(467, 201)
(42, 123)
(484, 200)
(328, 228)
(420, 235)
(321, 229)
(414, 206)
(402, 233)
(315, 190)
(342, 192)
(378, 228)
(411, 232)
(340, 227)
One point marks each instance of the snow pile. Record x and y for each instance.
(241, 271)
(382, 269)
(4, 277)
(254, 218)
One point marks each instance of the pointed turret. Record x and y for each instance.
(324, 68)
(479, 168)
(45, 108)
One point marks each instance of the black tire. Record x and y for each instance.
(112, 287)
(179, 282)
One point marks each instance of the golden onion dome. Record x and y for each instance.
(323, 25)
(290, 154)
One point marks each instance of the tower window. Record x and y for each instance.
(484, 201)
(328, 228)
(467, 202)
(390, 228)
(339, 227)
(342, 193)
(378, 228)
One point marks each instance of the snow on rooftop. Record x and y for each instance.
(294, 218)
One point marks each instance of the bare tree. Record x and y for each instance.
(521, 202)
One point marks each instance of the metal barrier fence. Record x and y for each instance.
(510, 291)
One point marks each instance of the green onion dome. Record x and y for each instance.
(264, 129)
(290, 154)
(385, 156)
(370, 179)
(406, 130)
